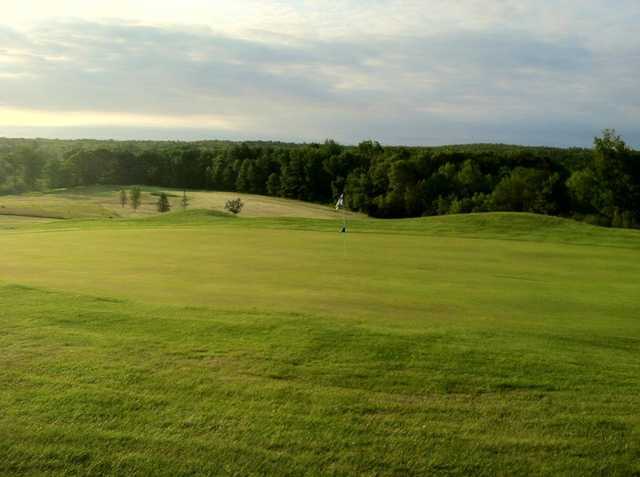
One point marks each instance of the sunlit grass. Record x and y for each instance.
(199, 344)
(104, 202)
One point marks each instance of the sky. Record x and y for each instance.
(413, 72)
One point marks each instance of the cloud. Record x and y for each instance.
(469, 74)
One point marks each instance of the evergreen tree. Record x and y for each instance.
(242, 182)
(163, 203)
(184, 202)
(293, 179)
(135, 197)
(273, 184)
(123, 198)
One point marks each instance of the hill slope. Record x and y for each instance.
(103, 202)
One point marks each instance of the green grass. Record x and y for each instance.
(15, 221)
(202, 344)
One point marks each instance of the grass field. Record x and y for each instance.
(104, 202)
(199, 344)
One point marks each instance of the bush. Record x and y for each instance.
(600, 220)
(234, 205)
(456, 206)
(442, 206)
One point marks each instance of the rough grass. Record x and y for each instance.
(104, 202)
(15, 221)
(199, 344)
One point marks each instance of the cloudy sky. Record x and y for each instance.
(551, 72)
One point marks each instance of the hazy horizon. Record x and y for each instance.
(190, 135)
(401, 72)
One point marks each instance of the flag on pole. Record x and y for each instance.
(340, 203)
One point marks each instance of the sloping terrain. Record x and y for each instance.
(104, 202)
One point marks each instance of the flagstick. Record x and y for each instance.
(340, 205)
(344, 227)
(344, 219)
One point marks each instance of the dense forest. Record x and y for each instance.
(599, 185)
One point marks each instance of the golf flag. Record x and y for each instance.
(340, 203)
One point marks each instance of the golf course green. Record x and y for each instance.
(198, 343)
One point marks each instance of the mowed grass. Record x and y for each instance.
(195, 344)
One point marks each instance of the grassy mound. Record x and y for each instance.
(510, 226)
(104, 202)
(494, 225)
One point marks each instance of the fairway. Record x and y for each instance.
(327, 239)
(197, 344)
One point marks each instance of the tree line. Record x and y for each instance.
(599, 185)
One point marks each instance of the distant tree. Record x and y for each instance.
(15, 172)
(229, 175)
(470, 178)
(218, 165)
(292, 180)
(609, 184)
(599, 185)
(163, 203)
(242, 182)
(368, 149)
(33, 162)
(258, 174)
(357, 190)
(527, 189)
(234, 205)
(123, 198)
(456, 207)
(273, 184)
(92, 166)
(57, 173)
(479, 202)
(135, 197)
(184, 202)
(443, 205)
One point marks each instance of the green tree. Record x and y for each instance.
(135, 197)
(218, 165)
(443, 205)
(292, 179)
(57, 173)
(242, 182)
(470, 178)
(229, 175)
(123, 198)
(163, 203)
(607, 184)
(184, 202)
(526, 190)
(273, 184)
(13, 174)
(357, 190)
(33, 162)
